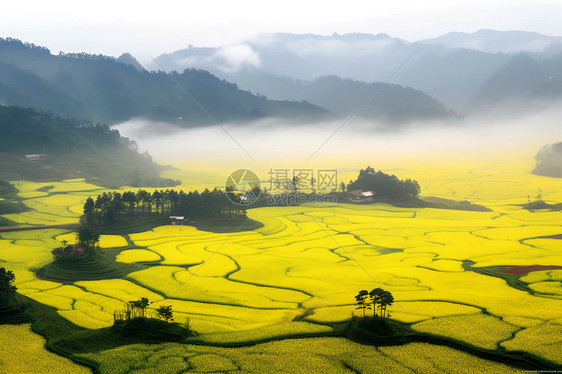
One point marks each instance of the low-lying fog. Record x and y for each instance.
(274, 140)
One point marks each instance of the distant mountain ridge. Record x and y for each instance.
(109, 90)
(454, 69)
(299, 77)
(307, 67)
(493, 41)
(374, 101)
(523, 82)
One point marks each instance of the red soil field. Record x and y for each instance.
(520, 270)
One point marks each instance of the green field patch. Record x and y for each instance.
(208, 363)
(11, 206)
(314, 355)
(427, 358)
(543, 340)
(479, 330)
(81, 267)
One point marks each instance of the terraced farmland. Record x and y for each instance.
(297, 275)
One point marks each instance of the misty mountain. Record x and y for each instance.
(307, 67)
(388, 102)
(363, 57)
(523, 83)
(70, 149)
(109, 90)
(450, 75)
(127, 59)
(450, 68)
(493, 41)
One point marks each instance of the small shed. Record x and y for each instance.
(73, 249)
(358, 196)
(177, 220)
(367, 194)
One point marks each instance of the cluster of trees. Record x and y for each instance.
(386, 186)
(109, 207)
(87, 56)
(7, 288)
(18, 45)
(43, 130)
(86, 239)
(137, 309)
(378, 300)
(549, 161)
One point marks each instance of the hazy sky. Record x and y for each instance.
(141, 27)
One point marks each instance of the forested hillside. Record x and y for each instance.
(109, 90)
(59, 148)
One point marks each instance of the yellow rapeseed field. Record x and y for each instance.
(313, 355)
(308, 262)
(22, 351)
(137, 255)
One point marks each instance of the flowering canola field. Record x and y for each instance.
(312, 355)
(22, 351)
(299, 273)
